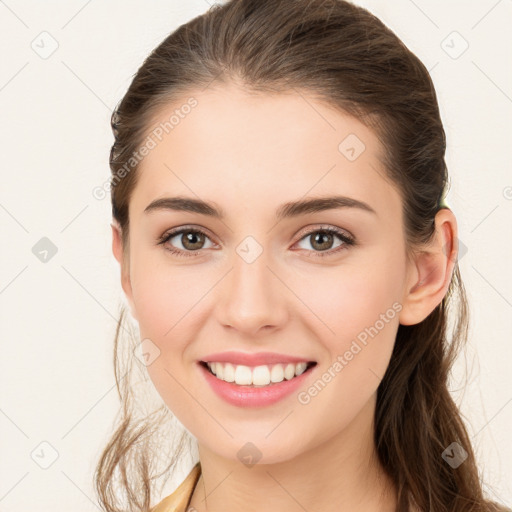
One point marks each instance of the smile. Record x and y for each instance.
(263, 375)
(253, 386)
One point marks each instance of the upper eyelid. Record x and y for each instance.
(324, 227)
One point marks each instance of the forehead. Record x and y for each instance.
(244, 147)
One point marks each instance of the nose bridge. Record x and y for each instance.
(253, 297)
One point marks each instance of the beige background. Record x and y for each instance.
(58, 317)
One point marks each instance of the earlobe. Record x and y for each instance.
(118, 251)
(433, 271)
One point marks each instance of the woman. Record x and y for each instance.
(278, 184)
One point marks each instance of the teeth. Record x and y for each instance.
(257, 376)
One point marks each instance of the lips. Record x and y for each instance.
(255, 359)
(254, 396)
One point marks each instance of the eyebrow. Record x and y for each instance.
(287, 210)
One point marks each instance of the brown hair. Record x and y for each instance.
(345, 56)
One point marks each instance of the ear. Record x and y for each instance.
(119, 254)
(431, 271)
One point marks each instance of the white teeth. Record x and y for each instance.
(257, 376)
(300, 368)
(260, 376)
(242, 374)
(277, 372)
(229, 372)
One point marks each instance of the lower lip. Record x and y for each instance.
(250, 396)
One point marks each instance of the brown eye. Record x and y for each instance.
(185, 240)
(192, 240)
(322, 241)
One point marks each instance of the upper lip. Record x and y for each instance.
(255, 359)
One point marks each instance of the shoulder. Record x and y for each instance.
(179, 499)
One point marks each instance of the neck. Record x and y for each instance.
(342, 474)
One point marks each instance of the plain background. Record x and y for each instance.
(58, 317)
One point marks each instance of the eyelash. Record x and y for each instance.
(347, 241)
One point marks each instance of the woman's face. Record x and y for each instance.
(263, 277)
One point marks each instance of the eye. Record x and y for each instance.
(322, 241)
(191, 240)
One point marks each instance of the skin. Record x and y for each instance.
(249, 154)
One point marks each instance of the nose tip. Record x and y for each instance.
(253, 300)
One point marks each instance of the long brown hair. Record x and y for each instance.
(343, 55)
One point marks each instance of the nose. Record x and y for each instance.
(253, 299)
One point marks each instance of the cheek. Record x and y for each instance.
(163, 293)
(167, 302)
(351, 300)
(356, 320)
(363, 314)
(170, 306)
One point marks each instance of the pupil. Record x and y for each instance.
(318, 239)
(191, 238)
